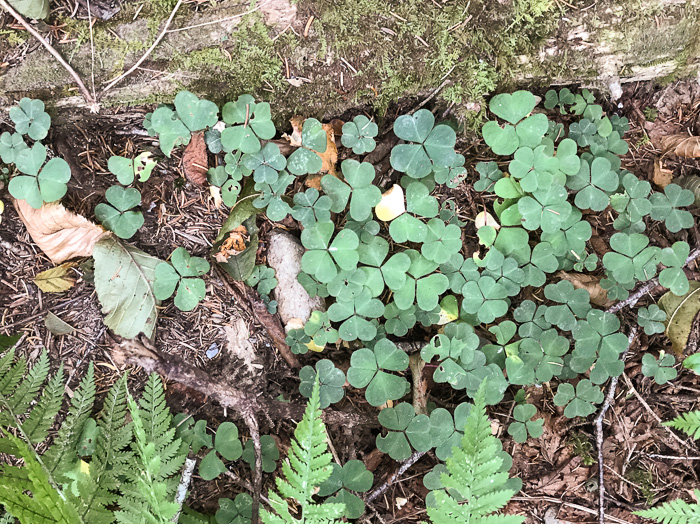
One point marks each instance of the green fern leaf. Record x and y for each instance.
(687, 422)
(11, 377)
(474, 471)
(37, 425)
(61, 456)
(149, 493)
(98, 489)
(675, 512)
(28, 388)
(306, 467)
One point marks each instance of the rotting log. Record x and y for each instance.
(322, 57)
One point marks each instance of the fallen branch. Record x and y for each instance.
(599, 430)
(92, 103)
(181, 492)
(252, 424)
(404, 467)
(246, 403)
(637, 294)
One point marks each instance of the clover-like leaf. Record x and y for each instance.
(118, 216)
(353, 476)
(442, 241)
(331, 380)
(322, 255)
(126, 169)
(266, 163)
(574, 303)
(634, 201)
(226, 441)
(263, 279)
(535, 168)
(594, 181)
(354, 314)
(484, 298)
(531, 318)
(579, 402)
(523, 425)
(489, 174)
(598, 337)
(272, 197)
(10, 145)
(422, 286)
(631, 258)
(359, 135)
(251, 122)
(661, 370)
(673, 277)
(665, 206)
(305, 159)
(364, 195)
(170, 129)
(270, 453)
(399, 321)
(39, 184)
(236, 511)
(546, 209)
(31, 119)
(513, 107)
(368, 369)
(311, 207)
(446, 431)
(181, 274)
(432, 145)
(406, 430)
(544, 353)
(652, 319)
(298, 341)
(572, 236)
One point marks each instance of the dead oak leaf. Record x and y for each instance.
(681, 145)
(195, 161)
(59, 233)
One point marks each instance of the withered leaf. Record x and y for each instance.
(59, 233)
(195, 161)
(590, 283)
(661, 176)
(57, 279)
(234, 244)
(681, 145)
(57, 326)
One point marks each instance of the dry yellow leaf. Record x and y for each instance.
(59, 233)
(662, 176)
(681, 145)
(57, 279)
(590, 283)
(392, 204)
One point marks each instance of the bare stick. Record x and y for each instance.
(643, 290)
(145, 55)
(599, 431)
(227, 19)
(184, 485)
(252, 423)
(92, 103)
(404, 467)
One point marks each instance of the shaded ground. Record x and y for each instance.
(558, 470)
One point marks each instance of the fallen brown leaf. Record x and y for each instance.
(234, 244)
(681, 145)
(590, 283)
(59, 233)
(329, 158)
(195, 161)
(57, 279)
(57, 326)
(662, 176)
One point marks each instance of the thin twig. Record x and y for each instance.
(431, 95)
(644, 289)
(599, 431)
(404, 467)
(146, 54)
(656, 417)
(219, 21)
(568, 504)
(184, 485)
(91, 101)
(669, 457)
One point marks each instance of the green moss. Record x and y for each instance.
(582, 447)
(13, 38)
(644, 481)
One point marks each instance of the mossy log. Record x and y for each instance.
(321, 57)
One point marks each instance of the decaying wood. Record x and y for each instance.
(246, 404)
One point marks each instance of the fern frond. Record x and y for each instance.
(687, 422)
(61, 456)
(28, 388)
(308, 465)
(148, 494)
(98, 488)
(12, 376)
(675, 512)
(474, 471)
(37, 425)
(46, 503)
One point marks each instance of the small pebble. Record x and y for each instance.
(212, 351)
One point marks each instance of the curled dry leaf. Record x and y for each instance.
(661, 176)
(681, 145)
(215, 193)
(590, 283)
(233, 245)
(195, 161)
(59, 233)
(57, 279)
(484, 218)
(680, 315)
